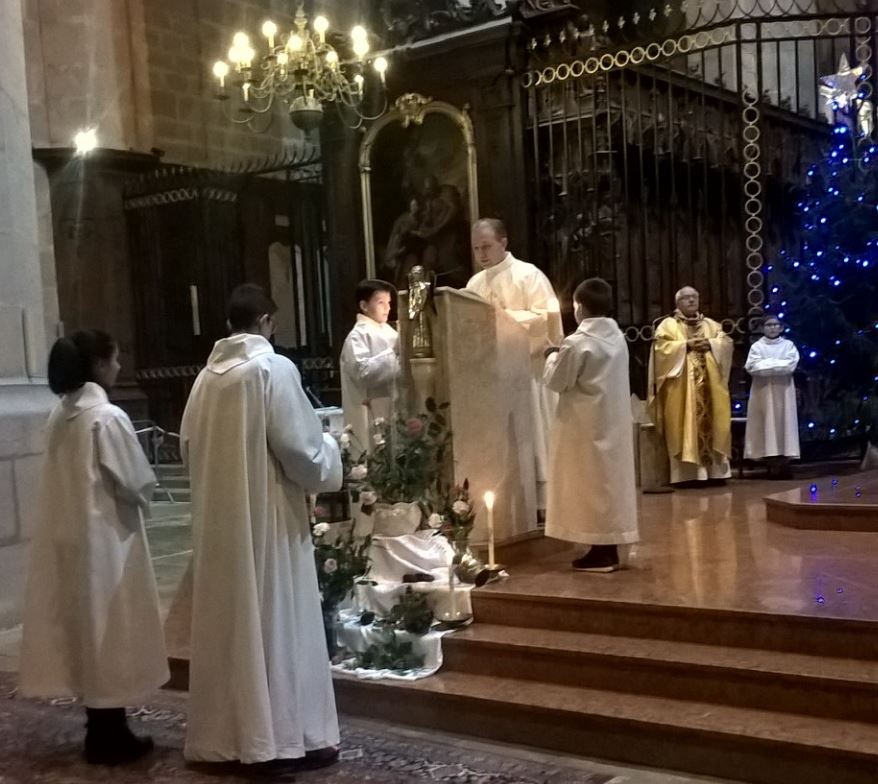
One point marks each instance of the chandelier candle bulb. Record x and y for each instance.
(220, 71)
(489, 506)
(269, 30)
(380, 65)
(321, 25)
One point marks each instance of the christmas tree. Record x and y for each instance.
(826, 290)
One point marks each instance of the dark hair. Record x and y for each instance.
(72, 359)
(595, 295)
(366, 289)
(247, 304)
(498, 227)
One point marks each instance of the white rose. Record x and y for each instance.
(368, 498)
(330, 565)
(320, 529)
(380, 422)
(435, 520)
(358, 472)
(345, 440)
(460, 508)
(378, 439)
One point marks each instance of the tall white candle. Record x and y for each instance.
(489, 505)
(452, 604)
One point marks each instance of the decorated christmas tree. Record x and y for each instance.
(826, 290)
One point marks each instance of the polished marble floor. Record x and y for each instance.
(714, 548)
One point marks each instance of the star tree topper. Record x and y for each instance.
(841, 92)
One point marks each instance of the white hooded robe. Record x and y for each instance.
(592, 495)
(260, 685)
(772, 419)
(369, 372)
(524, 292)
(92, 627)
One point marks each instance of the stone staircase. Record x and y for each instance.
(173, 478)
(748, 696)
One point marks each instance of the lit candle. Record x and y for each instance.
(452, 604)
(555, 328)
(489, 505)
(269, 30)
(321, 25)
(220, 70)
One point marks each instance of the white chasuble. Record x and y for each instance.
(369, 372)
(524, 292)
(772, 420)
(92, 627)
(592, 492)
(260, 685)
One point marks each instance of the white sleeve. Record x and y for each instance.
(564, 367)
(374, 374)
(121, 457)
(310, 457)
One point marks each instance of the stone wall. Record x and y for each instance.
(24, 398)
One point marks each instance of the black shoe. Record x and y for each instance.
(109, 741)
(601, 558)
(319, 758)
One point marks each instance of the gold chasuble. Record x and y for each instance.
(689, 397)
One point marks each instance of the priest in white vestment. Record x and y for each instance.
(92, 628)
(772, 422)
(369, 364)
(260, 686)
(526, 294)
(592, 490)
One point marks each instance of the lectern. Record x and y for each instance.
(481, 367)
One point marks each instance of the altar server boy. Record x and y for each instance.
(772, 432)
(591, 491)
(369, 362)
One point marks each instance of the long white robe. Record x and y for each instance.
(592, 490)
(260, 685)
(524, 292)
(369, 372)
(772, 419)
(91, 626)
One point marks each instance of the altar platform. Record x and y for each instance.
(731, 646)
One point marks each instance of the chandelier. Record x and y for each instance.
(303, 70)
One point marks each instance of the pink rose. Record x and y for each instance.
(414, 426)
(319, 511)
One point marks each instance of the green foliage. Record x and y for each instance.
(389, 654)
(340, 564)
(411, 613)
(409, 455)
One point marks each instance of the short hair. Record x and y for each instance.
(770, 317)
(595, 295)
(680, 293)
(247, 304)
(366, 289)
(72, 359)
(495, 224)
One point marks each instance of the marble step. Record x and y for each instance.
(762, 747)
(768, 680)
(818, 636)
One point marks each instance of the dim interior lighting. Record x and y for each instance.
(85, 141)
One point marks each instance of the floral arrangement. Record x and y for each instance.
(454, 516)
(340, 564)
(407, 460)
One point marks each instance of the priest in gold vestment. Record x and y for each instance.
(689, 391)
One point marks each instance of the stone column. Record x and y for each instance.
(25, 399)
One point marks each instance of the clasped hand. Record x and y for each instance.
(698, 344)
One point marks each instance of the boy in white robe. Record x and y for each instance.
(369, 363)
(92, 628)
(525, 293)
(591, 492)
(772, 432)
(260, 686)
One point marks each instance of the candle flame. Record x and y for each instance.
(489, 499)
